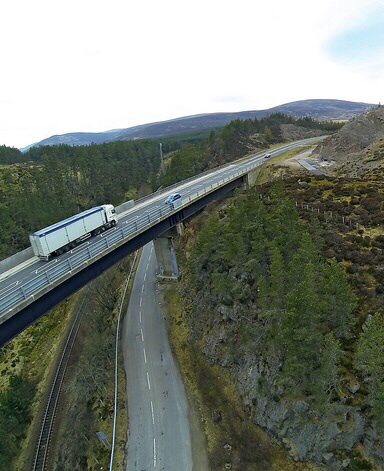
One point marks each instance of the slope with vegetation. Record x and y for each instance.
(282, 290)
(46, 184)
(299, 332)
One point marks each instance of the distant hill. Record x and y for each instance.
(317, 109)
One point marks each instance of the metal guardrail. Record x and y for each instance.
(33, 288)
(167, 189)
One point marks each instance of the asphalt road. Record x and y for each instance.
(159, 433)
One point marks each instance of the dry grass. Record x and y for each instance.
(276, 167)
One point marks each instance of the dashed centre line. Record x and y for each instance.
(10, 287)
(153, 415)
(145, 355)
(149, 384)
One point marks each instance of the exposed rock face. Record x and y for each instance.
(374, 443)
(324, 438)
(307, 435)
(355, 136)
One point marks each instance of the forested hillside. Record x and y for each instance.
(56, 182)
(282, 288)
(47, 184)
(237, 139)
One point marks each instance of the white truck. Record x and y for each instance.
(65, 235)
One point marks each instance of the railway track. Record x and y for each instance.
(47, 425)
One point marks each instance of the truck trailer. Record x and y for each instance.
(65, 235)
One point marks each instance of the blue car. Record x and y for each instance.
(173, 197)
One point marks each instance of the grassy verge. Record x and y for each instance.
(273, 167)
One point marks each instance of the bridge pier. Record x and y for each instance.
(180, 228)
(251, 177)
(167, 267)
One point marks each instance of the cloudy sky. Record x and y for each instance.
(92, 65)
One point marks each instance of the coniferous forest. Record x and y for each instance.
(47, 184)
(289, 301)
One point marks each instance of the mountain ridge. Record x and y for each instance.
(320, 109)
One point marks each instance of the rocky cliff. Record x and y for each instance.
(233, 331)
(358, 146)
(325, 438)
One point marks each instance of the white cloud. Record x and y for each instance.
(89, 65)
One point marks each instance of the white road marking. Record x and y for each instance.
(80, 247)
(44, 267)
(145, 277)
(145, 355)
(149, 384)
(108, 232)
(142, 289)
(153, 415)
(20, 267)
(141, 300)
(140, 317)
(142, 335)
(154, 452)
(10, 287)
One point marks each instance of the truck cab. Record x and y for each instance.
(110, 213)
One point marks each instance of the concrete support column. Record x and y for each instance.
(180, 228)
(167, 268)
(251, 177)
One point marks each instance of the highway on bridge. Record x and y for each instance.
(33, 278)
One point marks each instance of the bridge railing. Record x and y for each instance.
(189, 179)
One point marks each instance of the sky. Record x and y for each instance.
(92, 65)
